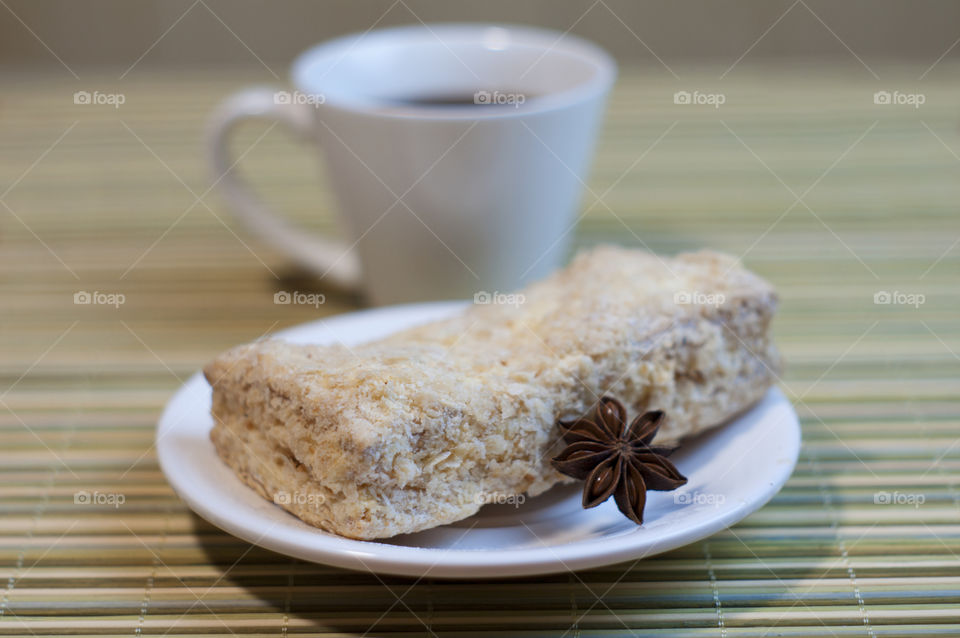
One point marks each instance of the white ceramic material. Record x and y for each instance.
(732, 471)
(436, 201)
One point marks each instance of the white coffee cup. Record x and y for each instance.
(438, 200)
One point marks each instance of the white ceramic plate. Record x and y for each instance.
(732, 471)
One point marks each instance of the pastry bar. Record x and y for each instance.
(421, 428)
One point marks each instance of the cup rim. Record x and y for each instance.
(605, 69)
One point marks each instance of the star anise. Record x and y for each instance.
(615, 459)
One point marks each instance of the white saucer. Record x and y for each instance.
(732, 471)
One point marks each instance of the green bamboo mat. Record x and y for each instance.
(830, 196)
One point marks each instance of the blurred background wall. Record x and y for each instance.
(236, 32)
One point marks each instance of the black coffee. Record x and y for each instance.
(479, 98)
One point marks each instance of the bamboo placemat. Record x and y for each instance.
(832, 197)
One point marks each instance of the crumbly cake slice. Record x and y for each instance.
(421, 428)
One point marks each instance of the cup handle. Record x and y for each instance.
(337, 263)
